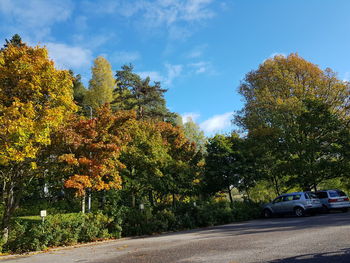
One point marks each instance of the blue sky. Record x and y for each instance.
(199, 49)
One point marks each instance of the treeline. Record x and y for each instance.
(61, 142)
(115, 148)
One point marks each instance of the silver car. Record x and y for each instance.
(298, 203)
(334, 199)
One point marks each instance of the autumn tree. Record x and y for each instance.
(101, 85)
(34, 100)
(183, 169)
(277, 100)
(90, 151)
(144, 157)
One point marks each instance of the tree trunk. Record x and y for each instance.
(275, 182)
(230, 194)
(83, 204)
(10, 202)
(173, 194)
(133, 201)
(150, 197)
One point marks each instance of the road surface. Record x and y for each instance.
(316, 239)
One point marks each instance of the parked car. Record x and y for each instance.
(299, 204)
(334, 200)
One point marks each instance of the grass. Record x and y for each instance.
(38, 218)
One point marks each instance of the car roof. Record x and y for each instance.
(328, 190)
(294, 193)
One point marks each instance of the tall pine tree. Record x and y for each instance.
(139, 94)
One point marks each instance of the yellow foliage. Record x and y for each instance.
(34, 100)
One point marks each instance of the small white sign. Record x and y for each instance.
(142, 206)
(43, 213)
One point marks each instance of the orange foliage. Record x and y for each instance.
(95, 147)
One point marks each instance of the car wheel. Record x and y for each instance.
(299, 211)
(344, 210)
(267, 213)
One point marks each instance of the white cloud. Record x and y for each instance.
(154, 75)
(168, 12)
(68, 57)
(176, 16)
(156, 12)
(36, 16)
(217, 123)
(125, 56)
(172, 72)
(188, 116)
(104, 6)
(94, 41)
(202, 67)
(173, 14)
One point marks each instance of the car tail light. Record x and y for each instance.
(332, 200)
(346, 199)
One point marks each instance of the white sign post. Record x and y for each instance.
(43, 215)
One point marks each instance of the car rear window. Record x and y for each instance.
(336, 193)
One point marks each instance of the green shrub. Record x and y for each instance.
(186, 216)
(246, 210)
(214, 213)
(30, 234)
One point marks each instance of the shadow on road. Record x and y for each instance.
(341, 256)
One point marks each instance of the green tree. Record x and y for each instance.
(135, 93)
(15, 41)
(316, 150)
(144, 157)
(101, 85)
(222, 164)
(160, 161)
(79, 90)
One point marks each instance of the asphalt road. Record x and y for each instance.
(316, 239)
